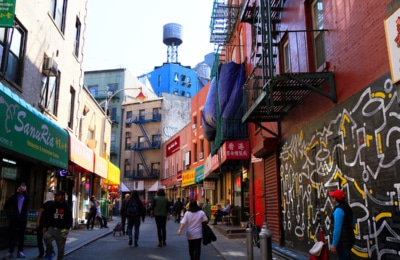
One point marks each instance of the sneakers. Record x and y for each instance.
(50, 256)
(136, 244)
(21, 255)
(130, 241)
(8, 256)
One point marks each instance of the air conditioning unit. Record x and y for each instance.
(201, 155)
(194, 126)
(50, 67)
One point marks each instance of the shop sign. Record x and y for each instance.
(80, 154)
(101, 166)
(179, 176)
(7, 13)
(209, 185)
(188, 178)
(173, 146)
(24, 130)
(235, 150)
(199, 174)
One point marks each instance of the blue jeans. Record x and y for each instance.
(133, 221)
(60, 238)
(343, 251)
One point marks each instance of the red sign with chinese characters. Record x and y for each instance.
(235, 150)
(173, 146)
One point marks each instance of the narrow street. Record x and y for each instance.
(116, 247)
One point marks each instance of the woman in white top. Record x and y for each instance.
(193, 219)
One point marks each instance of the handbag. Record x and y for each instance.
(208, 234)
(317, 248)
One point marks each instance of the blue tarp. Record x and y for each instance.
(231, 78)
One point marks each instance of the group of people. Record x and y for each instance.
(95, 213)
(55, 220)
(53, 223)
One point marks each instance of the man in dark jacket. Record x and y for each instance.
(177, 209)
(57, 222)
(17, 206)
(123, 213)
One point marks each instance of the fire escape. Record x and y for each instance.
(269, 96)
(223, 23)
(145, 144)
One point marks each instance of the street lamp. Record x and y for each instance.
(106, 102)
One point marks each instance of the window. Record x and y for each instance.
(176, 91)
(140, 170)
(142, 114)
(166, 168)
(127, 166)
(49, 93)
(155, 140)
(71, 108)
(156, 113)
(128, 141)
(194, 152)
(189, 82)
(318, 24)
(112, 89)
(58, 10)
(141, 142)
(128, 120)
(113, 114)
(113, 143)
(155, 169)
(12, 49)
(77, 37)
(183, 80)
(94, 90)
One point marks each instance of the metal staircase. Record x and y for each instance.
(270, 96)
(139, 147)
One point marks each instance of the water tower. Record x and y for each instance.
(172, 37)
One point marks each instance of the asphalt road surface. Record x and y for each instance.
(116, 247)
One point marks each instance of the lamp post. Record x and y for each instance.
(106, 103)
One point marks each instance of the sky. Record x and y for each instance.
(129, 33)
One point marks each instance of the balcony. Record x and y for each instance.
(141, 174)
(141, 146)
(147, 118)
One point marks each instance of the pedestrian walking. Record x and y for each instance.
(135, 211)
(193, 220)
(92, 213)
(160, 211)
(39, 229)
(177, 209)
(343, 238)
(123, 213)
(17, 206)
(57, 222)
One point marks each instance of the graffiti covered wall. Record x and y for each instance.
(355, 147)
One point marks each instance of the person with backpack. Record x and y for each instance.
(343, 238)
(134, 212)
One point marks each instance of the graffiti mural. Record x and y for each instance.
(355, 147)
